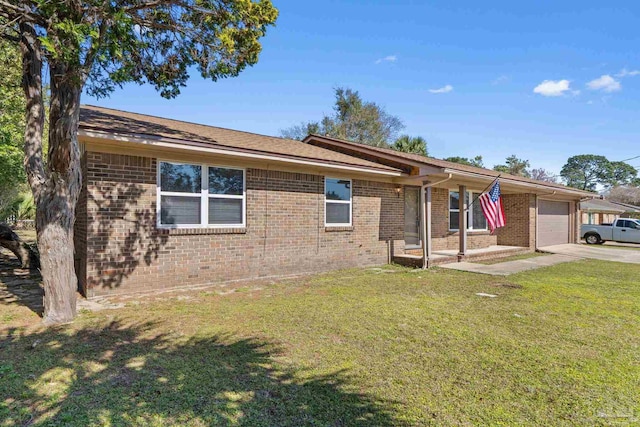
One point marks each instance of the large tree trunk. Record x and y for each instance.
(55, 186)
(56, 209)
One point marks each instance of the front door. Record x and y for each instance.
(412, 216)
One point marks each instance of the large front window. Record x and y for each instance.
(337, 201)
(192, 195)
(475, 218)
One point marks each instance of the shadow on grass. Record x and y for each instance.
(129, 375)
(18, 285)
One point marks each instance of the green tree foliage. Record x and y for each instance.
(300, 132)
(514, 166)
(98, 46)
(22, 206)
(411, 144)
(354, 120)
(12, 105)
(622, 174)
(587, 171)
(476, 161)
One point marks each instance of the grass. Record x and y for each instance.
(558, 346)
(28, 236)
(511, 258)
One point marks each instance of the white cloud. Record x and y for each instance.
(552, 87)
(605, 83)
(443, 89)
(501, 79)
(624, 73)
(390, 58)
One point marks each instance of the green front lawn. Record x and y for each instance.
(558, 346)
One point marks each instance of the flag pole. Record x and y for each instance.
(483, 191)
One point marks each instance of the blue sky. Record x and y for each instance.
(462, 74)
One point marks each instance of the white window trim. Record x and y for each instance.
(204, 196)
(470, 220)
(345, 202)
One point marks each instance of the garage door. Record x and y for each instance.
(553, 223)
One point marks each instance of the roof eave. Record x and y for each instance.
(540, 186)
(152, 141)
(365, 149)
(426, 167)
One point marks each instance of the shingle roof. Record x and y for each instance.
(609, 206)
(601, 205)
(123, 122)
(628, 207)
(430, 161)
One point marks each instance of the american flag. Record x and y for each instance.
(492, 208)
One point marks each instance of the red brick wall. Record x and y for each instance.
(285, 231)
(442, 238)
(520, 228)
(80, 229)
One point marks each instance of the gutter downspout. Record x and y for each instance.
(426, 218)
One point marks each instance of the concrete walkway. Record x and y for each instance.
(607, 253)
(510, 267)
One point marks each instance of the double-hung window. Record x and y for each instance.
(193, 195)
(337, 202)
(475, 218)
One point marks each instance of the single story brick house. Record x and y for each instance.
(168, 204)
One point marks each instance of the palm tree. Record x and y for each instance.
(411, 144)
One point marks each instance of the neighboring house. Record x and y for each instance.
(598, 211)
(169, 204)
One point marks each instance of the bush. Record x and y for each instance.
(17, 206)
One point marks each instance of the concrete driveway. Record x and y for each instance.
(606, 253)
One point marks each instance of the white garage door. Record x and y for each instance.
(553, 223)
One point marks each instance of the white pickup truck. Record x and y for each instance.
(625, 230)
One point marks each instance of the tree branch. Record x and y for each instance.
(156, 3)
(32, 86)
(12, 11)
(93, 50)
(14, 39)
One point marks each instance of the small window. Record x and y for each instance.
(337, 196)
(226, 200)
(200, 196)
(476, 220)
(180, 194)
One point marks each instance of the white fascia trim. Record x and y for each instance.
(171, 143)
(524, 184)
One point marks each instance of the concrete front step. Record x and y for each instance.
(413, 260)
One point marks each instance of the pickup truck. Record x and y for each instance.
(625, 230)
